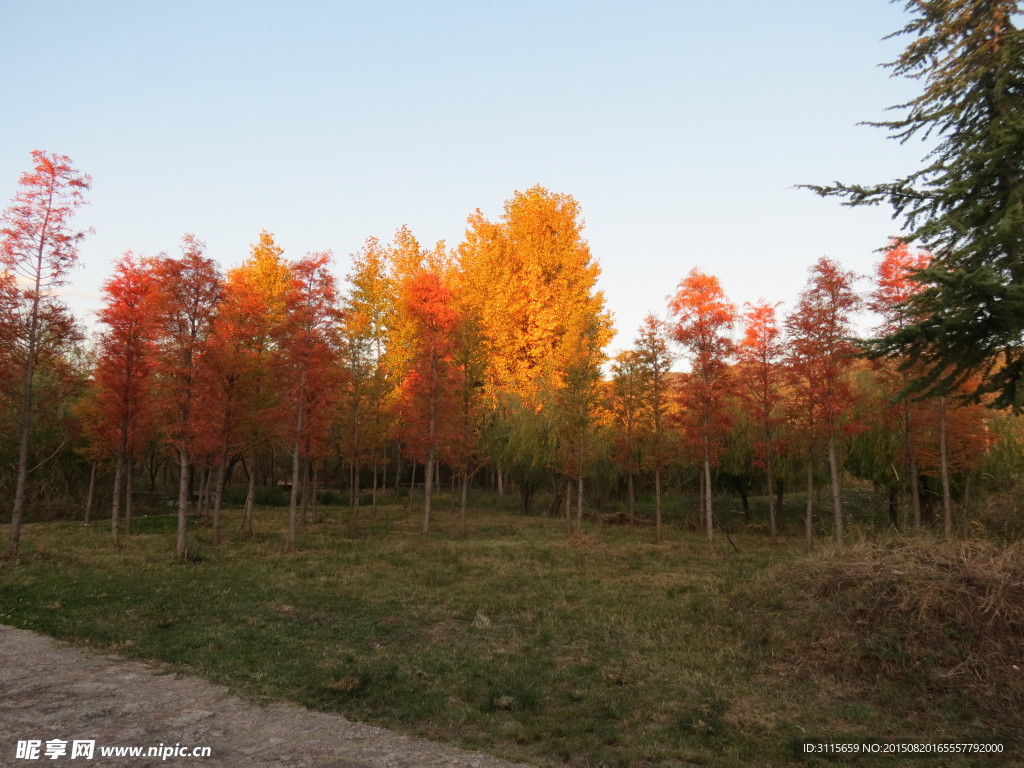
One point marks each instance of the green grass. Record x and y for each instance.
(608, 650)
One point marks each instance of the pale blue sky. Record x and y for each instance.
(680, 127)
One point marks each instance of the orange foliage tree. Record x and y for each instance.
(530, 284)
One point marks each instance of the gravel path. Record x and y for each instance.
(51, 692)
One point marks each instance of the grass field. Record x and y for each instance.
(607, 650)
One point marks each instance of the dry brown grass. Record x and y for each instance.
(941, 616)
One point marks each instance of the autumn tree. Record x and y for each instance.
(122, 376)
(820, 353)
(184, 306)
(534, 301)
(894, 287)
(366, 425)
(38, 249)
(243, 393)
(310, 351)
(759, 377)
(427, 404)
(702, 324)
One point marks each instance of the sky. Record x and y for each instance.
(682, 128)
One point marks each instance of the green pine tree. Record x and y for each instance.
(966, 204)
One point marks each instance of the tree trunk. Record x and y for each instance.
(568, 506)
(809, 519)
(91, 492)
(218, 494)
(412, 484)
(657, 505)
(632, 501)
(837, 504)
(250, 497)
(579, 504)
(115, 518)
(375, 485)
(773, 529)
(947, 496)
(183, 483)
(709, 519)
(428, 489)
(315, 493)
(293, 501)
(462, 502)
(128, 484)
(501, 485)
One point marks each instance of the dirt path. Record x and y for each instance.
(51, 692)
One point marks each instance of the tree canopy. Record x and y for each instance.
(966, 203)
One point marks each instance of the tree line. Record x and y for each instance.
(438, 361)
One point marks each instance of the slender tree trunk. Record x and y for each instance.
(501, 485)
(304, 504)
(773, 528)
(412, 484)
(657, 505)
(709, 513)
(375, 485)
(218, 495)
(809, 518)
(428, 489)
(250, 497)
(183, 484)
(315, 494)
(129, 471)
(632, 501)
(579, 503)
(947, 496)
(837, 504)
(293, 501)
(568, 506)
(462, 502)
(115, 517)
(90, 495)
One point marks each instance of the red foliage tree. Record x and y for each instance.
(760, 387)
(820, 354)
(122, 373)
(427, 405)
(37, 251)
(893, 287)
(703, 322)
(310, 347)
(184, 306)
